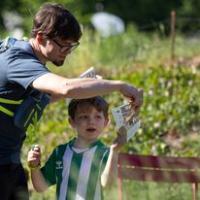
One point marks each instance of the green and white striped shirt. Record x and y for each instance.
(76, 175)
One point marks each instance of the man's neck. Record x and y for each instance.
(36, 49)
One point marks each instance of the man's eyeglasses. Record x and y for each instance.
(68, 47)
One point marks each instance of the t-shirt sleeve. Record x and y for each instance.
(48, 170)
(24, 68)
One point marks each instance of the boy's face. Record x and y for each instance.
(88, 122)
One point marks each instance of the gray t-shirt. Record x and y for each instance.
(19, 67)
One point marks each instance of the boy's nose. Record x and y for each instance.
(91, 120)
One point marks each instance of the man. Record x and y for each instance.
(55, 34)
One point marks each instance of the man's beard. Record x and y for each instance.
(58, 63)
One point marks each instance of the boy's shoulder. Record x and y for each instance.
(102, 147)
(99, 144)
(63, 146)
(60, 149)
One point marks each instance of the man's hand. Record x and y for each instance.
(134, 95)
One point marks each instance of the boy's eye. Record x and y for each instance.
(83, 116)
(98, 116)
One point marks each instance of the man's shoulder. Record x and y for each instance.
(23, 47)
(6, 43)
(20, 52)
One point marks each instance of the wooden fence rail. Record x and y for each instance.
(159, 169)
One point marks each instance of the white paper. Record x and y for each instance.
(125, 116)
(90, 73)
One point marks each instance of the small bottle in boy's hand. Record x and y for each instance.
(34, 156)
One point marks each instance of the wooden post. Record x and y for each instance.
(194, 191)
(173, 34)
(119, 184)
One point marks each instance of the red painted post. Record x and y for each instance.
(194, 191)
(119, 184)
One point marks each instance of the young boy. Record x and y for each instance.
(81, 167)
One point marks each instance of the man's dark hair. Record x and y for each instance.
(54, 20)
(98, 102)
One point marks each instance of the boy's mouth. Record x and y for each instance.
(91, 129)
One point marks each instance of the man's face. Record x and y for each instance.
(88, 122)
(57, 50)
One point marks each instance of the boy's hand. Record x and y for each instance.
(34, 156)
(120, 140)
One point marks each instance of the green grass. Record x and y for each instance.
(135, 190)
(156, 191)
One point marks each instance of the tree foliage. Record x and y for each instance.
(144, 13)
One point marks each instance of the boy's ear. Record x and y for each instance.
(71, 122)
